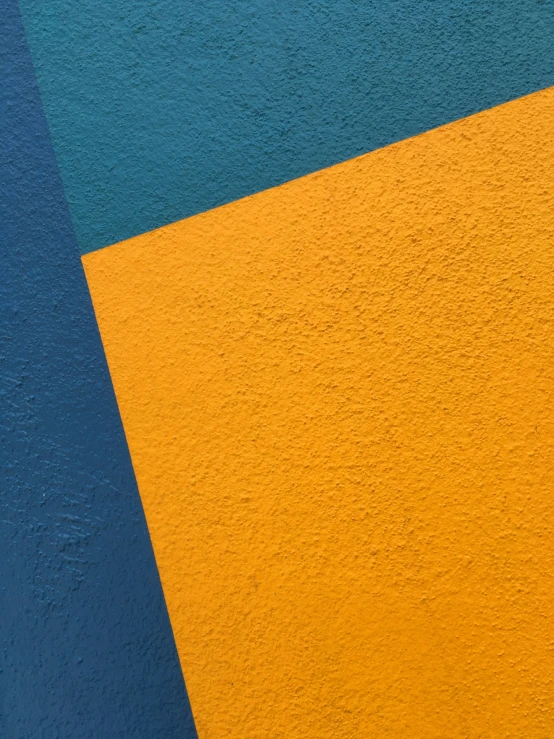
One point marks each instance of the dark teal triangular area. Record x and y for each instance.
(159, 110)
(87, 650)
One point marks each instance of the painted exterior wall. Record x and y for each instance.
(336, 390)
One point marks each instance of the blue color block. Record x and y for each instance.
(86, 646)
(159, 110)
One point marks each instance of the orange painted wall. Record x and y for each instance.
(339, 400)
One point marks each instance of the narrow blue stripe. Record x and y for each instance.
(86, 646)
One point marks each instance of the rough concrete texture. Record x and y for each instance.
(339, 400)
(159, 110)
(86, 649)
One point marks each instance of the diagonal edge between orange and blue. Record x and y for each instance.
(87, 647)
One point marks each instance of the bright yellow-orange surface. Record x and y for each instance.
(339, 400)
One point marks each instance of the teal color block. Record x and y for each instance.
(159, 110)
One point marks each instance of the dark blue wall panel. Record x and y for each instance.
(86, 646)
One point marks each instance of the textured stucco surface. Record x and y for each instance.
(159, 110)
(339, 394)
(86, 649)
(339, 400)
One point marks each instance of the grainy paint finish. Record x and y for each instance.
(159, 110)
(86, 649)
(338, 393)
(339, 400)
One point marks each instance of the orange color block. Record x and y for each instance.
(339, 400)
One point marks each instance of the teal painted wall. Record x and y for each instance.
(161, 110)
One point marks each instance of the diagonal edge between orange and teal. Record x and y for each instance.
(349, 163)
(160, 111)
